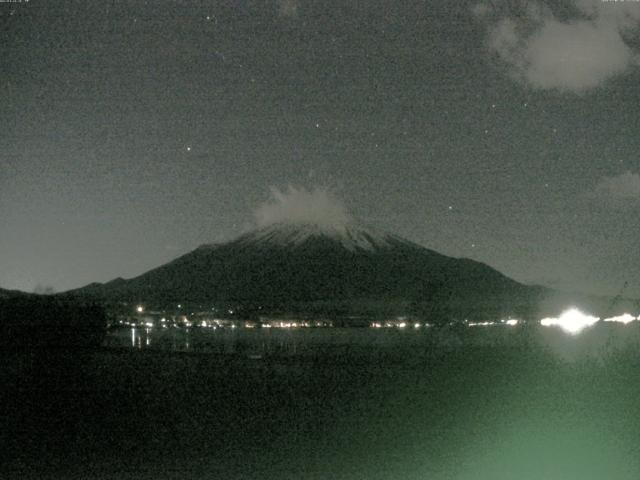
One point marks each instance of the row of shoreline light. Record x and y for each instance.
(572, 321)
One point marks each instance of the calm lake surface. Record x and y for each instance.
(494, 403)
(595, 341)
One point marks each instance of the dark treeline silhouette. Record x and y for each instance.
(47, 347)
(34, 321)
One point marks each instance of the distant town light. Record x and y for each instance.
(572, 321)
(512, 322)
(139, 309)
(624, 318)
(481, 324)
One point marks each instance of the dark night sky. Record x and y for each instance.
(131, 132)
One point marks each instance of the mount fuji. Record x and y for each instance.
(320, 269)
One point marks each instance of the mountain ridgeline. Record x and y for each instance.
(343, 271)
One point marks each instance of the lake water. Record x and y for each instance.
(493, 403)
(595, 341)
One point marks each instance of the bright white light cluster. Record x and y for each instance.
(624, 318)
(572, 321)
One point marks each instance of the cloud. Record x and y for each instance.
(44, 289)
(622, 187)
(318, 207)
(625, 15)
(574, 55)
(287, 8)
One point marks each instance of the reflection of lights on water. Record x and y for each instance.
(136, 339)
(572, 321)
(624, 318)
(481, 324)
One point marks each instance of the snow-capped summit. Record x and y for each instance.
(350, 236)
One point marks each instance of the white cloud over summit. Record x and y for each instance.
(575, 55)
(287, 8)
(319, 207)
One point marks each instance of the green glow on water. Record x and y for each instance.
(553, 452)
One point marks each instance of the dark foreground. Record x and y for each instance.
(470, 413)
